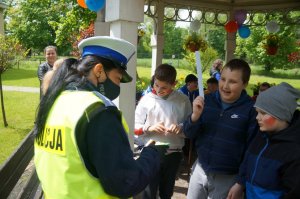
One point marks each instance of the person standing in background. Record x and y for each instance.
(215, 70)
(50, 53)
(48, 76)
(190, 88)
(212, 85)
(262, 87)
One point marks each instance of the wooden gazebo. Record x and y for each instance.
(121, 18)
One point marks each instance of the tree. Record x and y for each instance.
(37, 24)
(216, 37)
(9, 50)
(207, 58)
(143, 46)
(89, 32)
(253, 49)
(173, 39)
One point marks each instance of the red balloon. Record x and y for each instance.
(82, 3)
(231, 26)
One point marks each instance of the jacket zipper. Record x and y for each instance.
(257, 160)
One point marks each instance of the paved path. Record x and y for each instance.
(21, 89)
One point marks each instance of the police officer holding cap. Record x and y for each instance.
(81, 142)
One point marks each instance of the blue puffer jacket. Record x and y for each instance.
(222, 135)
(271, 168)
(192, 95)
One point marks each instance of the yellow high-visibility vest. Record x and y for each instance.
(58, 161)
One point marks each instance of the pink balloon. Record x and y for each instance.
(240, 16)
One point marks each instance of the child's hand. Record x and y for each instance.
(174, 128)
(235, 192)
(157, 128)
(198, 105)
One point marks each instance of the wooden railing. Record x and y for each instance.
(11, 172)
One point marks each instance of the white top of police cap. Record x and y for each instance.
(119, 51)
(118, 45)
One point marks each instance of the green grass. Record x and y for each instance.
(20, 110)
(23, 74)
(177, 63)
(291, 76)
(21, 77)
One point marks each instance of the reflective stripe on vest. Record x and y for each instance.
(59, 166)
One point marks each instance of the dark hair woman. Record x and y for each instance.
(81, 136)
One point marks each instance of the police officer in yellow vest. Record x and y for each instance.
(81, 145)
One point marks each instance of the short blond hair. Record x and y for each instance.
(58, 63)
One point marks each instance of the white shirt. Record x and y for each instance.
(153, 109)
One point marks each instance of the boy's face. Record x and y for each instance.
(162, 88)
(192, 86)
(267, 122)
(262, 88)
(231, 85)
(212, 87)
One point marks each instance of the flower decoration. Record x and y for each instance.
(272, 40)
(195, 42)
(180, 82)
(140, 85)
(141, 30)
(294, 57)
(271, 44)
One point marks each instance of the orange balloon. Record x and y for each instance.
(82, 3)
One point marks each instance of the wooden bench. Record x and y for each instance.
(13, 184)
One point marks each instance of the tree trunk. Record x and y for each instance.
(2, 103)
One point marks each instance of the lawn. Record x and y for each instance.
(20, 107)
(20, 110)
(24, 74)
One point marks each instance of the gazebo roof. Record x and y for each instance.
(265, 8)
(238, 4)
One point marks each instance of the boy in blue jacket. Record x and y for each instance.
(222, 126)
(271, 168)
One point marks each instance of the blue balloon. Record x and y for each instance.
(95, 5)
(244, 31)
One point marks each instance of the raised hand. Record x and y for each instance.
(198, 105)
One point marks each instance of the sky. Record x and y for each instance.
(182, 24)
